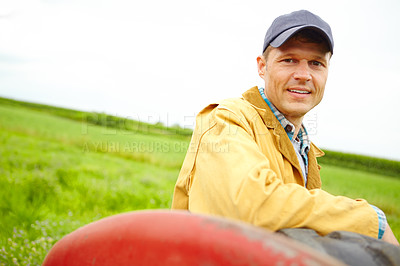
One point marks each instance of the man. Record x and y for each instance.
(250, 158)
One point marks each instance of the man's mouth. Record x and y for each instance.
(300, 91)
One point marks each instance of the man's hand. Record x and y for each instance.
(389, 237)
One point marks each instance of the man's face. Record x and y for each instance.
(295, 77)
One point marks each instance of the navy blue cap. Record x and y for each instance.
(286, 26)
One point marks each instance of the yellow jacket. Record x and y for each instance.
(241, 164)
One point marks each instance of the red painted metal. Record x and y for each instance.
(178, 238)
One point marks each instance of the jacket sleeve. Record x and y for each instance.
(231, 177)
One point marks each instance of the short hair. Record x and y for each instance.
(306, 36)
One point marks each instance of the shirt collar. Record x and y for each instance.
(288, 126)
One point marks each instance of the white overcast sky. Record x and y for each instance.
(165, 60)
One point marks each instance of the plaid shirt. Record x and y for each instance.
(382, 221)
(305, 147)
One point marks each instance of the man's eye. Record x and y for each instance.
(288, 60)
(316, 63)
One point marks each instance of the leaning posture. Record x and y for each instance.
(251, 159)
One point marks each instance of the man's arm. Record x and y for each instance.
(389, 237)
(241, 183)
(385, 233)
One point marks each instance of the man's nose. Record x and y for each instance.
(302, 72)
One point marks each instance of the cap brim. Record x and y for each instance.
(284, 36)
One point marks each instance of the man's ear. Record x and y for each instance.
(261, 66)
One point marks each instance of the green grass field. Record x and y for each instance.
(58, 174)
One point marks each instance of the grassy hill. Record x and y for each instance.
(61, 169)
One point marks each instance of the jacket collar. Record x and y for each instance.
(254, 98)
(282, 141)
